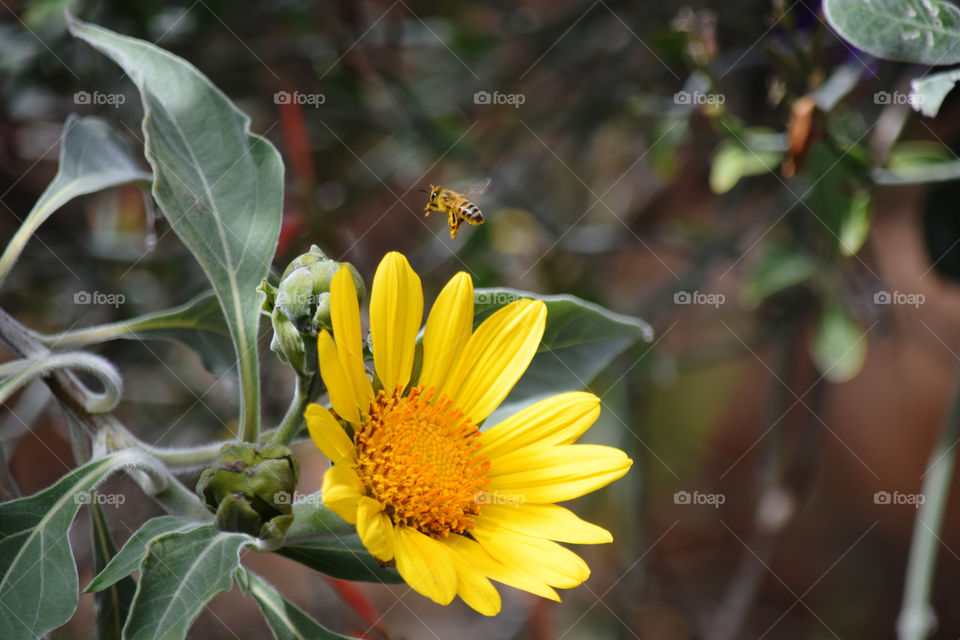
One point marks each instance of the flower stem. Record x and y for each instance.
(917, 617)
(178, 500)
(16, 245)
(303, 394)
(174, 458)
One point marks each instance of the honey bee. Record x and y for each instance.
(457, 206)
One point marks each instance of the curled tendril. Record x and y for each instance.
(21, 372)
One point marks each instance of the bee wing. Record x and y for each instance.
(478, 189)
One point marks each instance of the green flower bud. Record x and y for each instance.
(299, 307)
(268, 297)
(290, 346)
(249, 487)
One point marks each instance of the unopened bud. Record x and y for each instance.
(299, 307)
(245, 487)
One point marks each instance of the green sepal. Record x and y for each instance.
(249, 488)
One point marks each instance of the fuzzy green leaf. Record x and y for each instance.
(219, 185)
(112, 604)
(839, 345)
(198, 324)
(92, 158)
(581, 339)
(756, 152)
(323, 541)
(286, 620)
(921, 31)
(38, 590)
(128, 559)
(928, 93)
(780, 267)
(179, 575)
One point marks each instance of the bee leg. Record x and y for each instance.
(453, 223)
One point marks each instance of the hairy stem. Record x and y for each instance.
(306, 390)
(22, 372)
(16, 245)
(176, 499)
(175, 458)
(917, 617)
(74, 398)
(97, 334)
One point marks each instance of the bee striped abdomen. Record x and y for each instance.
(458, 207)
(469, 211)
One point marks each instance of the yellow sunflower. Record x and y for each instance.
(454, 506)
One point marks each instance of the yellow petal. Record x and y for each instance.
(448, 329)
(425, 564)
(495, 357)
(375, 528)
(560, 419)
(342, 491)
(477, 591)
(327, 434)
(555, 565)
(554, 474)
(345, 318)
(514, 576)
(547, 521)
(342, 397)
(396, 311)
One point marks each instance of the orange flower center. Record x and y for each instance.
(420, 460)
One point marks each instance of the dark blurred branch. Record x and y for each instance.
(8, 486)
(63, 384)
(71, 395)
(785, 480)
